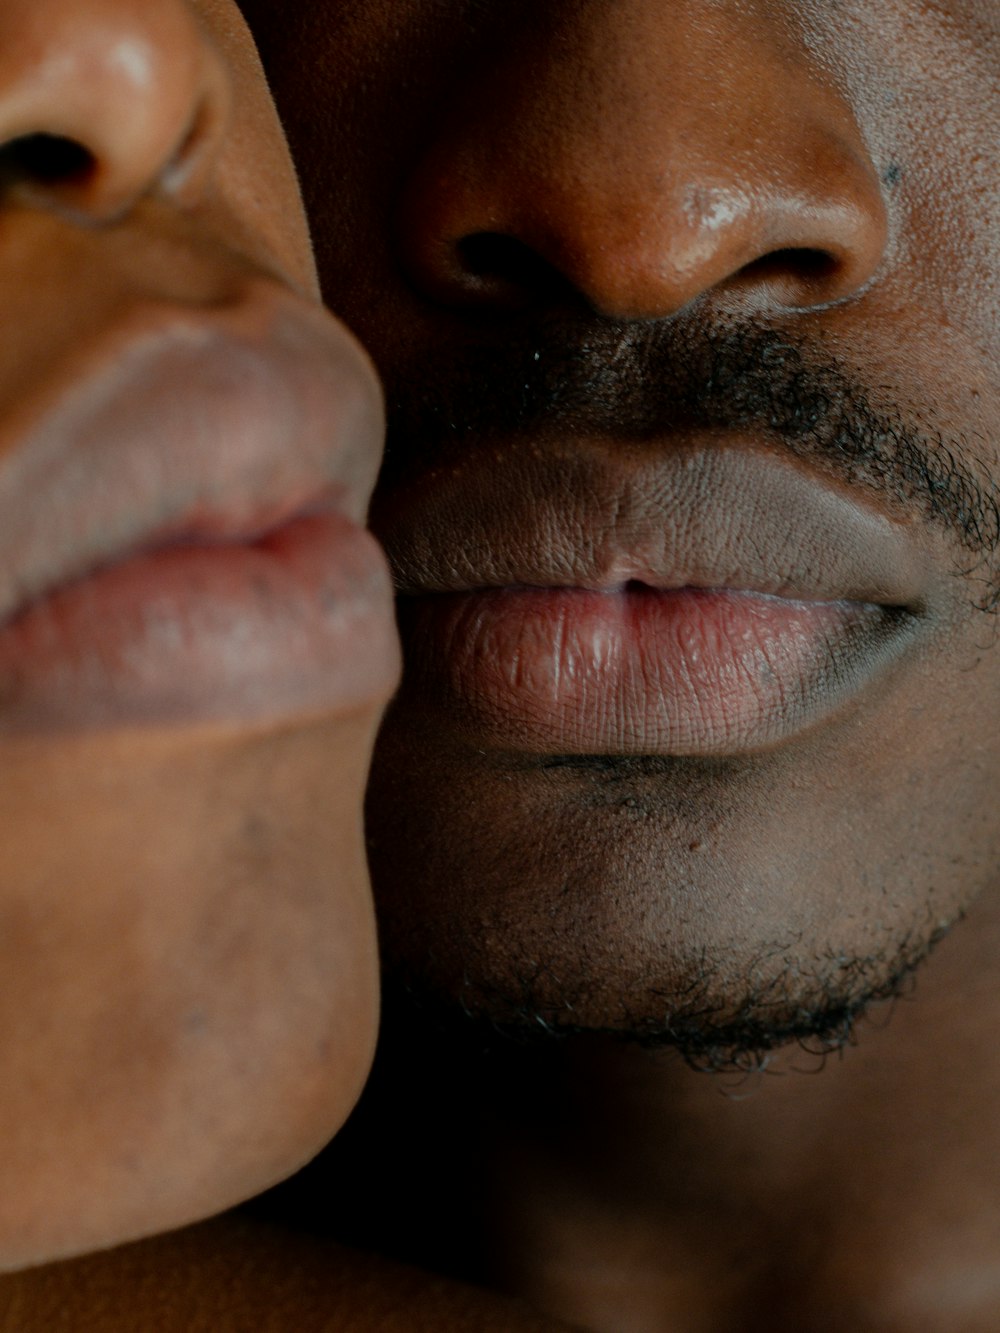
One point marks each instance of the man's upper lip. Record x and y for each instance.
(184, 424)
(713, 514)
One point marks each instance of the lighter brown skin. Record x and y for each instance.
(183, 1023)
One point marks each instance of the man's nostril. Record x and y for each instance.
(498, 265)
(45, 159)
(490, 254)
(811, 270)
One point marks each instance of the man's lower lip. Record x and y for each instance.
(297, 623)
(638, 670)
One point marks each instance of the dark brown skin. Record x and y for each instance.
(458, 128)
(826, 177)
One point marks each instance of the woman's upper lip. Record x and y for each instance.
(718, 514)
(185, 424)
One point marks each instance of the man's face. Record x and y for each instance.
(195, 635)
(688, 319)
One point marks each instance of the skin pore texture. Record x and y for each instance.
(196, 645)
(186, 936)
(687, 320)
(604, 272)
(678, 308)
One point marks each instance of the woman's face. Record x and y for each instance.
(187, 445)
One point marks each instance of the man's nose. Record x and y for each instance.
(104, 101)
(643, 153)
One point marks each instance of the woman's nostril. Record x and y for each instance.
(184, 167)
(105, 103)
(45, 159)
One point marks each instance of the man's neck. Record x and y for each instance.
(859, 1190)
(619, 1190)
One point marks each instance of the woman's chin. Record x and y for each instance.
(189, 949)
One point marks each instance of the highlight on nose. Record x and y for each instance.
(104, 101)
(638, 168)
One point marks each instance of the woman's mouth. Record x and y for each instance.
(292, 624)
(181, 534)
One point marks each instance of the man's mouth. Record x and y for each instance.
(705, 601)
(639, 670)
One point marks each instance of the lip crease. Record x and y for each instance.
(294, 624)
(637, 671)
(708, 601)
(180, 536)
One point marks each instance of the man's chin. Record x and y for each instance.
(712, 1024)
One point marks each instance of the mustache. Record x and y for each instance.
(639, 384)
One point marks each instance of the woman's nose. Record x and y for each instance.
(105, 101)
(645, 154)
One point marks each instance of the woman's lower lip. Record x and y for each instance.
(637, 670)
(297, 623)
